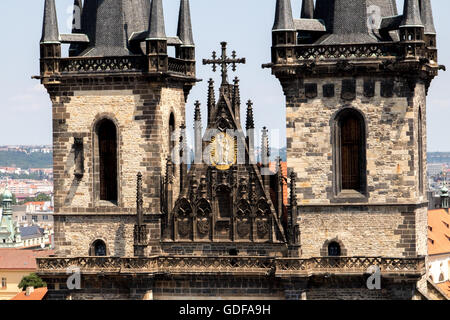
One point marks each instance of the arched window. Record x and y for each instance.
(107, 155)
(98, 249)
(172, 139)
(334, 249)
(441, 277)
(350, 150)
(420, 143)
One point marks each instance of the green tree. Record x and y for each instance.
(31, 280)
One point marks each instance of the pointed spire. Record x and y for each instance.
(211, 100)
(265, 152)
(76, 22)
(50, 33)
(139, 200)
(250, 123)
(197, 113)
(411, 14)
(184, 24)
(283, 16)
(427, 17)
(236, 99)
(157, 29)
(307, 9)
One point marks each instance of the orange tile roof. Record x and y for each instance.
(438, 232)
(38, 294)
(284, 171)
(17, 259)
(445, 287)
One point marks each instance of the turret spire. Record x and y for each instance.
(76, 22)
(184, 24)
(411, 14)
(307, 9)
(157, 29)
(283, 16)
(427, 17)
(250, 123)
(50, 33)
(211, 100)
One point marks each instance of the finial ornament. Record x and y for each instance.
(224, 61)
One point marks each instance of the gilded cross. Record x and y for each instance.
(224, 61)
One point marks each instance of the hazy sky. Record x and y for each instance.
(245, 24)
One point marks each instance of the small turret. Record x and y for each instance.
(429, 29)
(236, 100)
(265, 154)
(211, 101)
(411, 28)
(250, 128)
(307, 9)
(198, 134)
(283, 31)
(76, 48)
(157, 40)
(50, 41)
(187, 50)
(140, 229)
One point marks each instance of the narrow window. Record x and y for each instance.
(4, 283)
(224, 203)
(351, 151)
(334, 249)
(98, 249)
(107, 144)
(172, 139)
(420, 143)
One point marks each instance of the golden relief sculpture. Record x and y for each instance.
(223, 151)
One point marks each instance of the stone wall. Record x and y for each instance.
(140, 108)
(225, 288)
(370, 224)
(391, 130)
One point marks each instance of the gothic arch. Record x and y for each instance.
(203, 219)
(106, 159)
(349, 141)
(98, 248)
(243, 219)
(325, 247)
(183, 219)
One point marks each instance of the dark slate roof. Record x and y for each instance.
(307, 9)
(74, 38)
(309, 25)
(184, 24)
(427, 16)
(283, 16)
(157, 29)
(349, 23)
(110, 23)
(387, 8)
(50, 31)
(346, 20)
(411, 14)
(31, 232)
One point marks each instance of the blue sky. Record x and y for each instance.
(245, 24)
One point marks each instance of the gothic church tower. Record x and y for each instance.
(116, 102)
(356, 76)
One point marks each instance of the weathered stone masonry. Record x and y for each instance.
(141, 111)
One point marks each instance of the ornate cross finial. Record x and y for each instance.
(224, 61)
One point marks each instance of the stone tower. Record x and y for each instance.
(356, 76)
(117, 100)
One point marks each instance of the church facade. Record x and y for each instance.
(135, 220)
